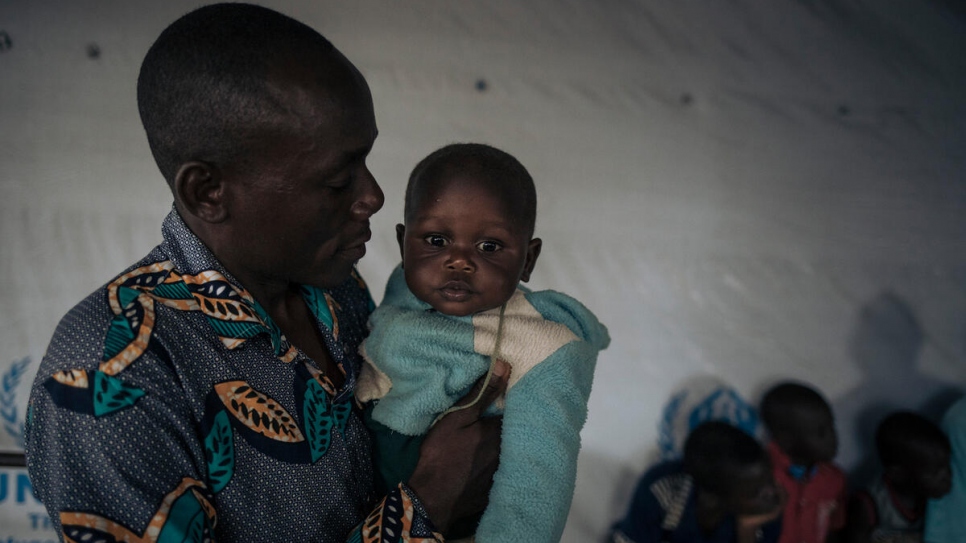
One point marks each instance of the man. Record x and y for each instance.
(206, 393)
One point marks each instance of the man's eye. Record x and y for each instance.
(489, 246)
(436, 240)
(341, 183)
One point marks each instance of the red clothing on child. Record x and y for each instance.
(816, 503)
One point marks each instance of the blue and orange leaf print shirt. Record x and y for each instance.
(169, 407)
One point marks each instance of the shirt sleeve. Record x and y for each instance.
(398, 517)
(115, 457)
(642, 523)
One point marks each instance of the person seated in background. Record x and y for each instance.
(946, 517)
(722, 492)
(803, 444)
(914, 454)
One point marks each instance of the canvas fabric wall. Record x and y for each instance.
(742, 191)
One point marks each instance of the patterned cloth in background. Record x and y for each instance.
(170, 407)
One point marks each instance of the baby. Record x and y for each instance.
(451, 310)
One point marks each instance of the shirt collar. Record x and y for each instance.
(781, 461)
(190, 256)
(187, 252)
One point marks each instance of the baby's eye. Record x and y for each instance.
(436, 240)
(489, 246)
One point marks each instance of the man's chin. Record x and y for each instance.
(334, 275)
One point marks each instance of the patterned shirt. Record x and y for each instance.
(169, 407)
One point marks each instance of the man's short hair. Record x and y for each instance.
(783, 399)
(904, 437)
(202, 85)
(716, 451)
(501, 169)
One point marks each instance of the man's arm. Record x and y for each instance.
(122, 473)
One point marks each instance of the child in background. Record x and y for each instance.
(803, 444)
(451, 310)
(914, 454)
(722, 492)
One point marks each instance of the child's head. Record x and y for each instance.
(730, 465)
(468, 239)
(915, 455)
(800, 422)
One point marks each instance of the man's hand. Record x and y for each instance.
(459, 456)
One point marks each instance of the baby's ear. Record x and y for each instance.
(533, 252)
(401, 240)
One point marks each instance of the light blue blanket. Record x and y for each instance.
(419, 362)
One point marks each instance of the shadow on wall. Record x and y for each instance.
(885, 345)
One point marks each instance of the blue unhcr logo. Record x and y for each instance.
(700, 400)
(13, 424)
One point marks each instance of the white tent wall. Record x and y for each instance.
(750, 190)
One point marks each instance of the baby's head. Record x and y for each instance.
(730, 467)
(915, 455)
(800, 422)
(468, 240)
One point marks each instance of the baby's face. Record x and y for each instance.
(464, 250)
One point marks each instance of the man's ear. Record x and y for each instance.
(401, 240)
(533, 251)
(199, 189)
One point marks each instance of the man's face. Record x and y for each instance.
(300, 207)
(464, 248)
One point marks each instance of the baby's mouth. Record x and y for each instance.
(455, 291)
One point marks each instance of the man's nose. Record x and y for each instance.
(370, 197)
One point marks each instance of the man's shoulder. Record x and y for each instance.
(78, 339)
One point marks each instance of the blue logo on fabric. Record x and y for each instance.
(700, 403)
(12, 423)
